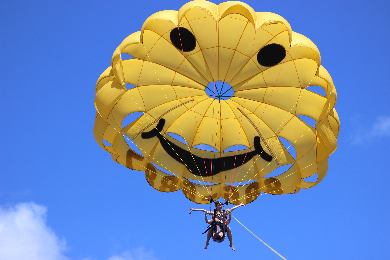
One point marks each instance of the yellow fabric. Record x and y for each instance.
(169, 84)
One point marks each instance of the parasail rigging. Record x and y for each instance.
(227, 78)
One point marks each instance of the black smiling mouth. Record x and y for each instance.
(203, 166)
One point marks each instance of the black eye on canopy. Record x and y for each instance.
(183, 39)
(271, 55)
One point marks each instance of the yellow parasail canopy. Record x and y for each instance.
(176, 60)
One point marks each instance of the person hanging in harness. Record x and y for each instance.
(218, 224)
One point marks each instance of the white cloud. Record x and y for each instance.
(380, 128)
(24, 234)
(137, 254)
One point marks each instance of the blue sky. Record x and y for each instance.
(62, 197)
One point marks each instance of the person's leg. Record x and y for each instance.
(229, 234)
(209, 233)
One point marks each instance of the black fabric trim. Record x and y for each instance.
(271, 55)
(183, 39)
(204, 166)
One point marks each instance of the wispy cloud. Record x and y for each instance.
(24, 234)
(379, 129)
(137, 254)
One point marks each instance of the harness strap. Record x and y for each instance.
(221, 224)
(206, 230)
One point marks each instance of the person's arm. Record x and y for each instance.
(203, 210)
(230, 210)
(207, 220)
(228, 220)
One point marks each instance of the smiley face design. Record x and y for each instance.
(222, 77)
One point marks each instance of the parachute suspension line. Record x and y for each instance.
(166, 113)
(215, 63)
(257, 130)
(197, 193)
(145, 168)
(119, 131)
(162, 136)
(196, 120)
(220, 126)
(190, 101)
(259, 238)
(201, 196)
(270, 183)
(246, 88)
(245, 196)
(158, 119)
